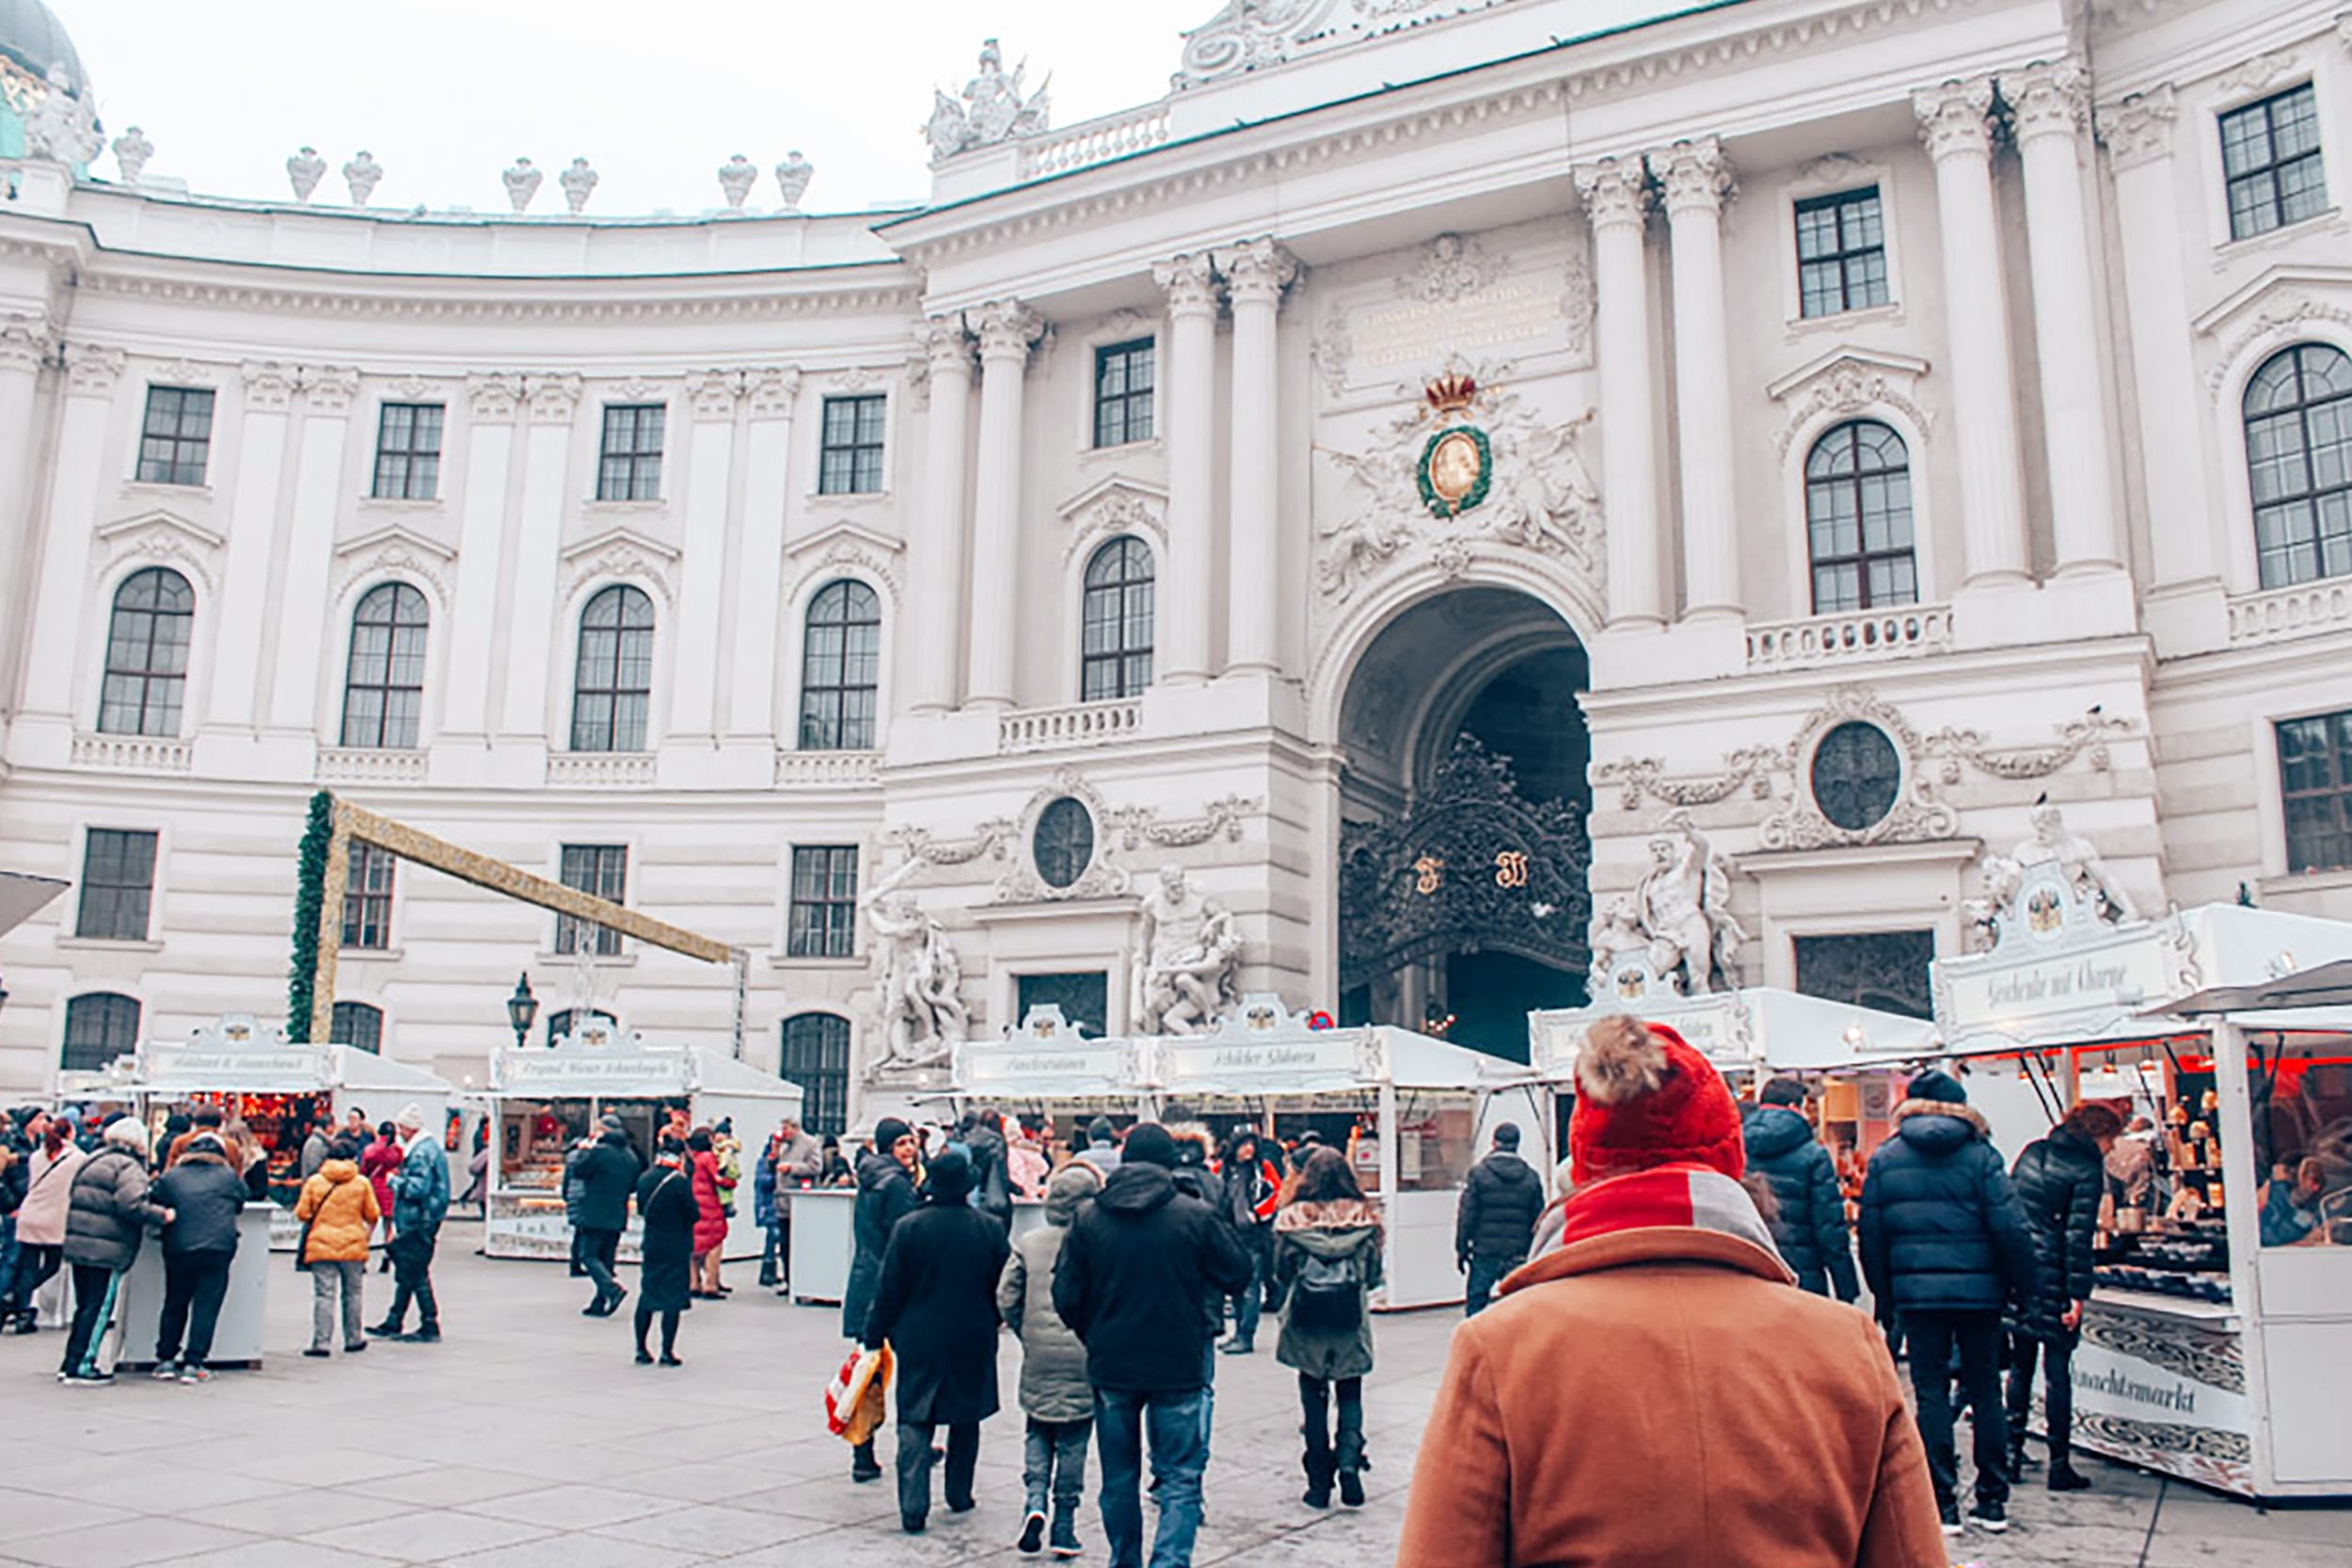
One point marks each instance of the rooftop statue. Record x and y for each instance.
(995, 107)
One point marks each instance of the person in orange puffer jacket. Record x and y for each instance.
(340, 1208)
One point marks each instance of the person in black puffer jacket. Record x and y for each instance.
(886, 1195)
(109, 1212)
(607, 1174)
(2059, 1180)
(1945, 1247)
(1494, 1223)
(1809, 1226)
(206, 1198)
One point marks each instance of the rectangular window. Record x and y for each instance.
(368, 898)
(1885, 970)
(2315, 789)
(1841, 252)
(358, 1026)
(408, 452)
(602, 869)
(824, 902)
(631, 468)
(176, 440)
(2270, 156)
(817, 1058)
(850, 461)
(1084, 999)
(118, 885)
(1122, 393)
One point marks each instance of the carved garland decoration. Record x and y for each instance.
(988, 839)
(1141, 825)
(2086, 736)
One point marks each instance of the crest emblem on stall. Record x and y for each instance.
(1458, 462)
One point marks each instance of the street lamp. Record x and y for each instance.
(521, 1008)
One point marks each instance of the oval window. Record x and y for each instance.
(1858, 775)
(1064, 842)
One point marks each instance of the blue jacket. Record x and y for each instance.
(420, 1188)
(1810, 1227)
(1941, 1227)
(764, 1189)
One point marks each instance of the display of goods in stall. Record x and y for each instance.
(2166, 1282)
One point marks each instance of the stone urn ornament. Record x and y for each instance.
(579, 183)
(304, 171)
(131, 150)
(792, 178)
(522, 183)
(363, 174)
(737, 177)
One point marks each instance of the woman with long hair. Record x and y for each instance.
(1326, 1264)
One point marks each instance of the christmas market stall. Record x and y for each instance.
(2217, 1344)
(543, 1098)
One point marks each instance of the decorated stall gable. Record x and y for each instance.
(1048, 1055)
(1264, 1046)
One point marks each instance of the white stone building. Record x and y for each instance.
(1858, 452)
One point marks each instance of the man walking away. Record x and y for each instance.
(1253, 1191)
(1810, 1224)
(607, 1174)
(420, 1203)
(1130, 1281)
(1101, 1151)
(1055, 1393)
(206, 1198)
(1494, 1223)
(2059, 1180)
(799, 1164)
(1943, 1240)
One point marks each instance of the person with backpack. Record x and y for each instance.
(1055, 1393)
(1494, 1223)
(1808, 1217)
(1326, 1264)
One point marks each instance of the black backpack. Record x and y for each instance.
(1328, 1295)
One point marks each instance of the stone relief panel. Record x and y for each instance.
(163, 539)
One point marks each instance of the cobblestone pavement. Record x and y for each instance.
(528, 1439)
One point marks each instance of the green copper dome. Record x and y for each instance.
(33, 39)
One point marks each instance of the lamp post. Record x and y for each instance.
(521, 1008)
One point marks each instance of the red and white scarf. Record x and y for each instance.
(1683, 1197)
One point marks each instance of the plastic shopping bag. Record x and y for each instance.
(855, 1398)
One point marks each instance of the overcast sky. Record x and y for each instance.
(654, 93)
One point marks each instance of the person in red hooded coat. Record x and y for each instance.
(710, 1215)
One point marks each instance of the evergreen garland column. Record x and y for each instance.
(318, 838)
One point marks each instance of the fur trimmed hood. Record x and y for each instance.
(1956, 1109)
(1340, 1213)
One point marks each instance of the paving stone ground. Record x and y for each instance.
(528, 1439)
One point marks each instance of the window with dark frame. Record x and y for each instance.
(612, 680)
(147, 654)
(600, 869)
(1857, 514)
(1115, 658)
(384, 676)
(840, 668)
(2270, 158)
(559, 1023)
(850, 453)
(1123, 376)
(1841, 253)
(2315, 791)
(823, 919)
(2298, 463)
(358, 1026)
(118, 885)
(99, 1027)
(368, 898)
(176, 438)
(815, 1056)
(629, 469)
(408, 452)
(1884, 970)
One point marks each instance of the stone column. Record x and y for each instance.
(1697, 178)
(935, 566)
(1984, 390)
(61, 634)
(491, 401)
(531, 660)
(234, 699)
(1255, 276)
(1007, 329)
(2173, 412)
(302, 665)
(712, 397)
(759, 565)
(25, 345)
(2049, 107)
(1615, 205)
(1186, 599)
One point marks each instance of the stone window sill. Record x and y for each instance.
(786, 961)
(1889, 314)
(109, 944)
(2228, 251)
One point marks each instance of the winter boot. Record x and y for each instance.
(863, 1464)
(1353, 1462)
(1320, 1469)
(1065, 1537)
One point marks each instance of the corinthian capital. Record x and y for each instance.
(268, 385)
(1613, 191)
(771, 391)
(25, 341)
(2051, 99)
(1188, 280)
(1257, 270)
(2139, 129)
(1952, 119)
(945, 342)
(1696, 174)
(1006, 328)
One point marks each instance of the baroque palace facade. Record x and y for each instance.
(1799, 436)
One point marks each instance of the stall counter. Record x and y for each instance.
(824, 1239)
(244, 1312)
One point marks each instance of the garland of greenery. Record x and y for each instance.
(1477, 492)
(318, 835)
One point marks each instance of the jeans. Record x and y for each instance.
(36, 1266)
(2058, 1399)
(96, 1292)
(597, 1252)
(914, 1467)
(412, 1277)
(1933, 1336)
(1178, 1424)
(1314, 1404)
(194, 1283)
(1250, 1302)
(1054, 1464)
(337, 1283)
(1485, 1275)
(771, 1254)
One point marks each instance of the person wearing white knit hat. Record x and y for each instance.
(420, 1203)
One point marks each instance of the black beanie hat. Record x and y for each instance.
(1790, 1091)
(1937, 1085)
(1148, 1143)
(948, 1179)
(887, 1132)
(1506, 1134)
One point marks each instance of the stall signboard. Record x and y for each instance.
(617, 1072)
(2060, 966)
(277, 1068)
(1048, 1055)
(1263, 1048)
(1720, 1027)
(2166, 1393)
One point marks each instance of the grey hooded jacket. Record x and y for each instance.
(1053, 1385)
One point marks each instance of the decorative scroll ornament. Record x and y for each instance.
(995, 108)
(923, 1016)
(2053, 885)
(988, 839)
(1141, 825)
(2086, 736)
(1248, 34)
(1189, 969)
(1509, 479)
(1639, 777)
(1914, 817)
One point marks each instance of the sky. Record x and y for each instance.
(656, 94)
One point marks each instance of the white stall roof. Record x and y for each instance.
(22, 897)
(350, 1067)
(716, 1072)
(1759, 1026)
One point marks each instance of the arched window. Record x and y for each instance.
(358, 1026)
(384, 679)
(1857, 514)
(817, 1058)
(840, 668)
(2299, 456)
(612, 687)
(1116, 651)
(98, 1028)
(147, 654)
